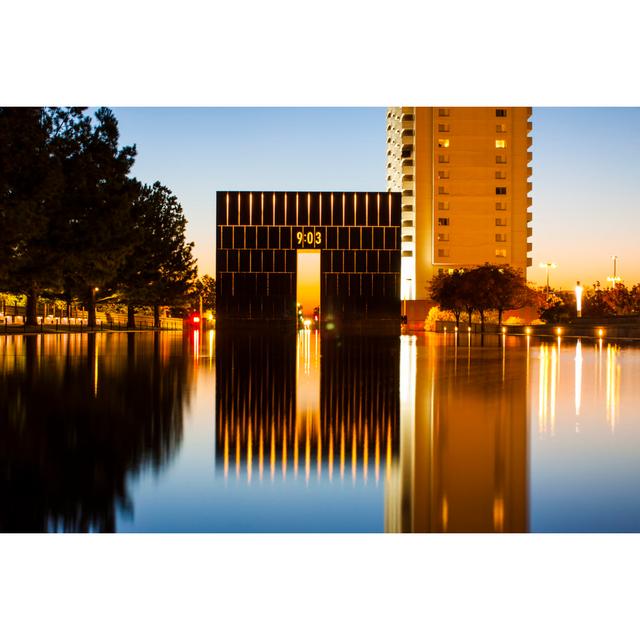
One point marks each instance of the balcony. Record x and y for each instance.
(529, 157)
(407, 163)
(529, 262)
(529, 247)
(529, 202)
(529, 232)
(407, 138)
(529, 216)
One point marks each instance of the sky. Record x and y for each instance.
(586, 172)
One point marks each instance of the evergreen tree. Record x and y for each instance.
(161, 269)
(34, 145)
(94, 228)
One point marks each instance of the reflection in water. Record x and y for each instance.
(334, 416)
(313, 432)
(463, 457)
(79, 414)
(613, 384)
(578, 378)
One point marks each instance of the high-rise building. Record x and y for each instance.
(464, 176)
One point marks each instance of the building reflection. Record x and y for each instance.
(463, 458)
(308, 405)
(79, 415)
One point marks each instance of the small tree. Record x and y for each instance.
(205, 288)
(446, 289)
(161, 268)
(509, 290)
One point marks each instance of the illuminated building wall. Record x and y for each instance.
(258, 234)
(464, 177)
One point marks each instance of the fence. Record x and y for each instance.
(104, 321)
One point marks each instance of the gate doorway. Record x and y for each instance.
(308, 283)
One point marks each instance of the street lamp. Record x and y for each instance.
(407, 294)
(615, 278)
(547, 266)
(579, 290)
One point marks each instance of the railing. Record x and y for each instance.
(12, 323)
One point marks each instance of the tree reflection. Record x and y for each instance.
(79, 415)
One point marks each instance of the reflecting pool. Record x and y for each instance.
(239, 432)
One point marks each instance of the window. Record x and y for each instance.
(443, 222)
(443, 128)
(501, 160)
(443, 253)
(501, 175)
(443, 175)
(501, 144)
(443, 159)
(501, 191)
(501, 113)
(407, 223)
(501, 222)
(443, 190)
(443, 237)
(501, 206)
(443, 206)
(501, 237)
(501, 253)
(443, 113)
(443, 142)
(501, 128)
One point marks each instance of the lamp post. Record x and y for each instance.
(579, 290)
(547, 266)
(615, 278)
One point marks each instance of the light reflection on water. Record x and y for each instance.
(311, 432)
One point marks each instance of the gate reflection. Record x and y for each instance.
(312, 404)
(447, 444)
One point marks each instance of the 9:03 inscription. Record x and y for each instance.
(308, 237)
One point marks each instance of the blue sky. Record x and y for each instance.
(586, 171)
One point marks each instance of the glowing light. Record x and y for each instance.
(528, 330)
(558, 330)
(498, 514)
(578, 376)
(445, 513)
(613, 385)
(600, 332)
(579, 290)
(456, 329)
(504, 330)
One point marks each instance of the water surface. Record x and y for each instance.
(308, 432)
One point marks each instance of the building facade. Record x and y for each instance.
(261, 237)
(464, 176)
